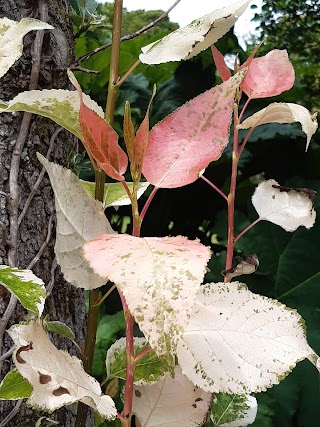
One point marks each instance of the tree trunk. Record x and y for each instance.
(20, 139)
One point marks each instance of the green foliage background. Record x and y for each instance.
(289, 262)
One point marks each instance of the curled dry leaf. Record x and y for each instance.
(268, 75)
(56, 377)
(246, 265)
(239, 342)
(288, 207)
(79, 219)
(282, 112)
(186, 141)
(159, 278)
(171, 402)
(188, 41)
(11, 39)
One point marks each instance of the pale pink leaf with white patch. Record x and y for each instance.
(186, 141)
(57, 378)
(289, 208)
(171, 402)
(269, 75)
(282, 112)
(159, 278)
(239, 342)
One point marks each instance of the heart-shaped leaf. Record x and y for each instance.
(79, 218)
(56, 377)
(187, 42)
(269, 75)
(11, 39)
(288, 207)
(239, 342)
(171, 402)
(186, 141)
(159, 278)
(282, 112)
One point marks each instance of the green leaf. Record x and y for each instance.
(26, 286)
(114, 193)
(228, 408)
(149, 369)
(14, 386)
(44, 421)
(61, 329)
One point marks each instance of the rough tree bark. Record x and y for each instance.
(18, 153)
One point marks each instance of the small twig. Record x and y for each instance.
(147, 204)
(5, 319)
(40, 177)
(50, 285)
(123, 78)
(124, 38)
(247, 229)
(214, 187)
(84, 70)
(143, 353)
(7, 354)
(11, 414)
(43, 246)
(113, 287)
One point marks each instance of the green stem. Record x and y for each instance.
(232, 193)
(114, 62)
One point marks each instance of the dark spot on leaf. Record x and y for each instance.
(310, 193)
(21, 349)
(60, 391)
(194, 405)
(137, 393)
(195, 44)
(199, 399)
(44, 379)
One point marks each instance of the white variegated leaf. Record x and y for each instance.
(79, 219)
(282, 112)
(239, 342)
(288, 207)
(61, 106)
(188, 41)
(233, 410)
(56, 377)
(11, 39)
(171, 402)
(26, 286)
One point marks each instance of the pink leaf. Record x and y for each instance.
(194, 135)
(159, 278)
(101, 139)
(269, 75)
(220, 63)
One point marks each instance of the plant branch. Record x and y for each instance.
(127, 73)
(40, 177)
(113, 287)
(247, 229)
(11, 414)
(214, 187)
(124, 38)
(147, 204)
(232, 193)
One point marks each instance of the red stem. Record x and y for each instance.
(145, 207)
(214, 187)
(143, 353)
(244, 109)
(247, 229)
